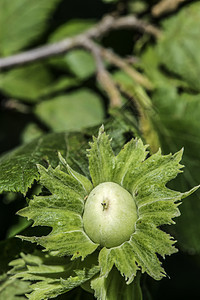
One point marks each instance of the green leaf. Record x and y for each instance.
(73, 111)
(125, 161)
(62, 211)
(71, 28)
(25, 82)
(52, 276)
(114, 287)
(178, 49)
(84, 181)
(18, 167)
(30, 83)
(101, 159)
(22, 22)
(14, 289)
(178, 126)
(80, 63)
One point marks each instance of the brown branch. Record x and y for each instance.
(119, 62)
(106, 25)
(165, 6)
(103, 76)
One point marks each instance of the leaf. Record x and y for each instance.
(84, 181)
(18, 167)
(14, 289)
(71, 28)
(73, 111)
(52, 276)
(101, 159)
(62, 210)
(80, 63)
(22, 22)
(30, 83)
(178, 49)
(114, 287)
(125, 161)
(25, 82)
(178, 121)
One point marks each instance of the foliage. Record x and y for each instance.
(51, 108)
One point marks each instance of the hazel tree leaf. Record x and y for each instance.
(114, 287)
(52, 276)
(25, 21)
(80, 63)
(101, 159)
(30, 83)
(74, 111)
(62, 211)
(178, 118)
(18, 167)
(178, 49)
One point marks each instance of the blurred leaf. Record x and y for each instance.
(137, 6)
(179, 45)
(14, 289)
(178, 126)
(32, 82)
(52, 276)
(21, 22)
(71, 28)
(115, 287)
(143, 105)
(18, 167)
(72, 111)
(31, 132)
(80, 63)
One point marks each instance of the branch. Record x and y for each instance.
(116, 60)
(165, 6)
(103, 75)
(106, 25)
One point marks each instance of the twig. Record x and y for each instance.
(103, 75)
(165, 6)
(107, 24)
(122, 64)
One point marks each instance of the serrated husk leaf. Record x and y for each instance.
(101, 159)
(84, 181)
(114, 287)
(125, 161)
(61, 211)
(52, 276)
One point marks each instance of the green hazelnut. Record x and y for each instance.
(110, 214)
